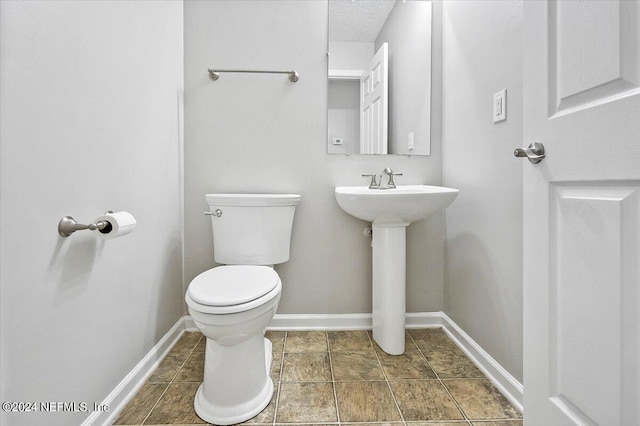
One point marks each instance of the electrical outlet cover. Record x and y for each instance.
(500, 106)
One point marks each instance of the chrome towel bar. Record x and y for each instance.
(293, 75)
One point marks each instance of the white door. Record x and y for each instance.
(374, 101)
(581, 213)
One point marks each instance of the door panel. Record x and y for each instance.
(593, 53)
(374, 99)
(592, 227)
(582, 213)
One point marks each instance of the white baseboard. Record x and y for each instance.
(347, 321)
(131, 384)
(505, 382)
(511, 388)
(320, 322)
(423, 320)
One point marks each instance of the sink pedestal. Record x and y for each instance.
(390, 211)
(389, 289)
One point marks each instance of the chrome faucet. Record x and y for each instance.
(386, 179)
(388, 174)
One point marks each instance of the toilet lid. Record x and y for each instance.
(232, 285)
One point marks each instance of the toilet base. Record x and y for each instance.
(242, 410)
(249, 409)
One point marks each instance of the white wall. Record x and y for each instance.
(483, 278)
(262, 133)
(89, 122)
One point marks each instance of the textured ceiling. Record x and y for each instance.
(357, 20)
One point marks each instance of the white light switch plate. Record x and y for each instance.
(500, 106)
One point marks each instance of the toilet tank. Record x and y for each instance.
(252, 229)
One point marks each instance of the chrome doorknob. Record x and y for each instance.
(535, 152)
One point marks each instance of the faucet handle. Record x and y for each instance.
(392, 184)
(374, 183)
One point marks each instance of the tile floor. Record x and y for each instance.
(338, 377)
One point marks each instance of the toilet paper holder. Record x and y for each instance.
(68, 225)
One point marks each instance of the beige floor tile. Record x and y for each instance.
(366, 401)
(375, 424)
(277, 340)
(140, 406)
(201, 346)
(176, 406)
(424, 400)
(432, 339)
(409, 365)
(192, 370)
(310, 402)
(167, 369)
(306, 341)
(186, 344)
(306, 367)
(479, 399)
(349, 341)
(356, 366)
(452, 364)
(301, 358)
(276, 367)
(459, 423)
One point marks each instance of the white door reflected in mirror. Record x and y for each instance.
(374, 104)
(357, 30)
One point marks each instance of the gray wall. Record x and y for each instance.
(350, 55)
(89, 122)
(262, 133)
(483, 278)
(343, 115)
(409, 73)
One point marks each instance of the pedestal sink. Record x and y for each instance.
(391, 211)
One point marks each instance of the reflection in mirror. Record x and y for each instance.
(379, 96)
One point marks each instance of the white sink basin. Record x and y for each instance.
(401, 205)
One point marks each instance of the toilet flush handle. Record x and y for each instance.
(216, 213)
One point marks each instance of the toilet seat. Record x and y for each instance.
(233, 288)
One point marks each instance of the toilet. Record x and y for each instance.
(232, 304)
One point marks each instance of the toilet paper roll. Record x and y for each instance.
(120, 223)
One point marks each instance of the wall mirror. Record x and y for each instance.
(379, 97)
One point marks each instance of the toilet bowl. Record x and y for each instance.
(233, 304)
(233, 318)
